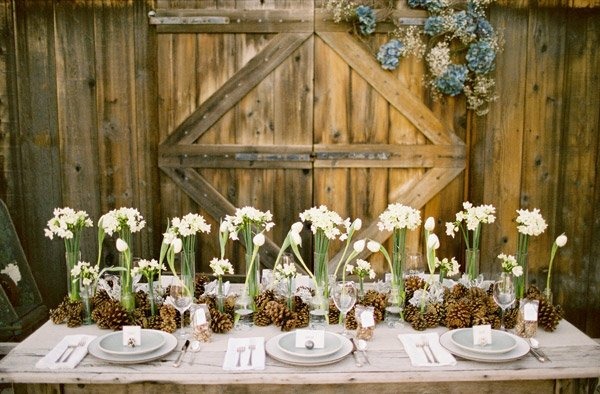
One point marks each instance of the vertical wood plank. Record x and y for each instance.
(580, 158)
(39, 151)
(76, 96)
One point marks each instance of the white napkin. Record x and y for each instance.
(258, 354)
(418, 358)
(77, 354)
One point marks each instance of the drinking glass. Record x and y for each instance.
(504, 295)
(414, 264)
(182, 299)
(344, 296)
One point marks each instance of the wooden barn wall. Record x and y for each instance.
(82, 114)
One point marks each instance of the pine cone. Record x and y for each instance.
(431, 316)
(419, 323)
(411, 312)
(221, 322)
(458, 291)
(199, 281)
(74, 313)
(277, 312)
(350, 323)
(154, 322)
(290, 322)
(142, 302)
(302, 312)
(458, 314)
(261, 300)
(60, 314)
(262, 319)
(548, 317)
(377, 301)
(116, 317)
(533, 293)
(334, 313)
(411, 284)
(168, 321)
(139, 318)
(99, 298)
(510, 316)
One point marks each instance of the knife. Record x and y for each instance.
(183, 350)
(354, 350)
(537, 354)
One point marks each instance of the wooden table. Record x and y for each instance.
(575, 367)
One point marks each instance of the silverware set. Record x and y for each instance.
(66, 354)
(423, 344)
(241, 350)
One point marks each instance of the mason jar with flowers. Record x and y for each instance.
(123, 222)
(529, 223)
(68, 224)
(469, 221)
(249, 222)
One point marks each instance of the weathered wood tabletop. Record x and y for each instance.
(575, 365)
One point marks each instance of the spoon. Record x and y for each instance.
(362, 346)
(195, 346)
(541, 356)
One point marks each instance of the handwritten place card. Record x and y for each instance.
(316, 336)
(482, 335)
(132, 335)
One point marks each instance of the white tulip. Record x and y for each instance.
(223, 227)
(359, 246)
(433, 242)
(177, 245)
(561, 240)
(122, 245)
(357, 224)
(297, 227)
(373, 246)
(430, 223)
(259, 239)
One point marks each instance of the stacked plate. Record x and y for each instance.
(504, 346)
(283, 348)
(155, 344)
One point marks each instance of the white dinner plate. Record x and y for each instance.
(287, 344)
(502, 341)
(112, 343)
(519, 351)
(166, 348)
(273, 350)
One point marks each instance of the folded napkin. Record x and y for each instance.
(50, 360)
(258, 354)
(417, 355)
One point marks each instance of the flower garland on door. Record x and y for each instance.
(457, 41)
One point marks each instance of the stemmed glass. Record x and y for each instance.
(344, 297)
(414, 264)
(182, 300)
(504, 295)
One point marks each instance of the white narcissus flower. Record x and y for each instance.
(122, 245)
(359, 245)
(561, 240)
(433, 242)
(349, 268)
(168, 238)
(177, 245)
(430, 224)
(259, 239)
(373, 246)
(221, 266)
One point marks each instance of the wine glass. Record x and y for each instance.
(504, 295)
(344, 297)
(182, 300)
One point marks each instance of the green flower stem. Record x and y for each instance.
(549, 277)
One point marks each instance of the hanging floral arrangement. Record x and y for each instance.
(457, 41)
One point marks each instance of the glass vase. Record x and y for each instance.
(126, 282)
(289, 294)
(361, 288)
(187, 271)
(318, 310)
(393, 310)
(321, 271)
(549, 296)
(151, 297)
(220, 298)
(244, 312)
(71, 259)
(252, 275)
(398, 260)
(521, 281)
(472, 263)
(86, 292)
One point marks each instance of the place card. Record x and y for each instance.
(199, 317)
(530, 311)
(132, 336)
(367, 319)
(317, 337)
(482, 335)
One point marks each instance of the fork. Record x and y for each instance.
(427, 347)
(421, 345)
(240, 350)
(64, 356)
(252, 347)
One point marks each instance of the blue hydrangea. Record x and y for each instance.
(480, 57)
(452, 81)
(389, 54)
(435, 6)
(434, 25)
(366, 19)
(484, 28)
(464, 23)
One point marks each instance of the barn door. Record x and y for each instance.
(267, 108)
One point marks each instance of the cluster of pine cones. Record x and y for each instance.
(461, 307)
